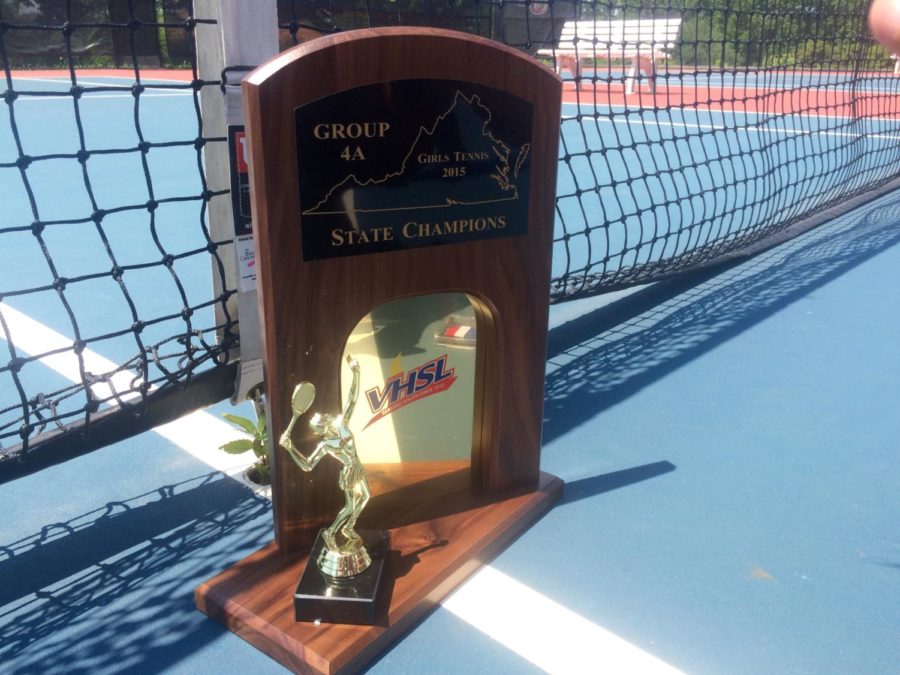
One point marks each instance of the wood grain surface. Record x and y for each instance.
(308, 309)
(441, 532)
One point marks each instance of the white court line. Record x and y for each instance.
(764, 130)
(793, 89)
(552, 637)
(839, 87)
(199, 433)
(749, 128)
(516, 616)
(610, 106)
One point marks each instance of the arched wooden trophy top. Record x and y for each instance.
(309, 304)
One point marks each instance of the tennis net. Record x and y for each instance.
(113, 295)
(693, 131)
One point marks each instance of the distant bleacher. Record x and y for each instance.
(644, 41)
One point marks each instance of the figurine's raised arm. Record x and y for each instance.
(354, 388)
(305, 463)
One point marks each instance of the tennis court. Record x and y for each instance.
(47, 126)
(664, 177)
(729, 448)
(726, 424)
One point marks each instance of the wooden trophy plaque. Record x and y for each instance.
(386, 164)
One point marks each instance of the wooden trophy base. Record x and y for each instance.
(441, 532)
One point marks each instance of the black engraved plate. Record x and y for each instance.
(411, 163)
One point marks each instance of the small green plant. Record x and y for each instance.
(258, 443)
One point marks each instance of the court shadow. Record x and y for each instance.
(608, 355)
(887, 564)
(116, 584)
(585, 488)
(399, 566)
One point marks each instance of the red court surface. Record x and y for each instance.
(181, 75)
(830, 101)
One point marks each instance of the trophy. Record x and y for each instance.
(343, 580)
(387, 164)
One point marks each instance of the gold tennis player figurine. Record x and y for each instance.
(344, 554)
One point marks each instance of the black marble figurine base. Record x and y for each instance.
(351, 600)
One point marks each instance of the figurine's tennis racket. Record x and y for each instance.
(304, 395)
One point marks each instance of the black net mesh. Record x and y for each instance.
(692, 130)
(102, 245)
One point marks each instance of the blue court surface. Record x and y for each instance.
(730, 443)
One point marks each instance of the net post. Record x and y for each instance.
(246, 34)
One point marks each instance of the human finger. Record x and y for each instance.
(884, 22)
